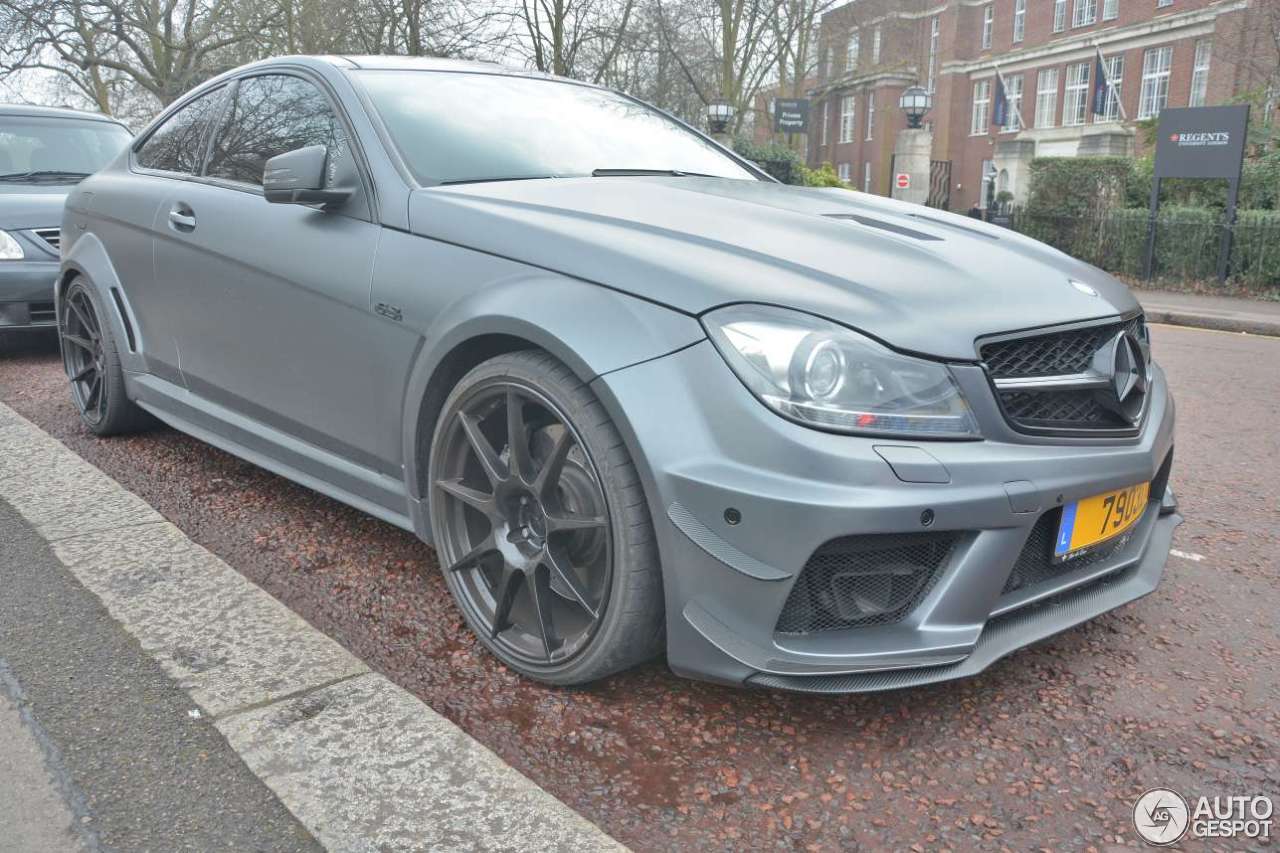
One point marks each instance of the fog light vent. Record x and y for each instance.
(858, 581)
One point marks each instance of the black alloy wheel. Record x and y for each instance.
(91, 359)
(84, 355)
(527, 525)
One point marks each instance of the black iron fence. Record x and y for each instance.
(1186, 248)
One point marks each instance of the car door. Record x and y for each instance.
(125, 211)
(278, 326)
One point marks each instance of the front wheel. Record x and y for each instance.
(541, 525)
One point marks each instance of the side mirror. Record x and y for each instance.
(298, 177)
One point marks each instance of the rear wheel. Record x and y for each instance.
(91, 359)
(541, 525)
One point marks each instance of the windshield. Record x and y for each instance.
(44, 148)
(455, 127)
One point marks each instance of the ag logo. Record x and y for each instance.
(1161, 817)
(1173, 138)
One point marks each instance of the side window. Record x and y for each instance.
(178, 144)
(272, 114)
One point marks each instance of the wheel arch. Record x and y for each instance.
(571, 321)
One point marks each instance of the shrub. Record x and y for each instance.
(778, 160)
(1077, 186)
(823, 176)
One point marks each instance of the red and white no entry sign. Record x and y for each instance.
(904, 181)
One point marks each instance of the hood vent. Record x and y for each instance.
(884, 226)
(949, 224)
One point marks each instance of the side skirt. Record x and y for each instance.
(368, 491)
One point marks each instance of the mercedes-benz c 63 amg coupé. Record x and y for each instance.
(639, 396)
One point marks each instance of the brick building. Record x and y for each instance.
(1158, 52)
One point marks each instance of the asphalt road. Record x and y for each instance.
(98, 749)
(1047, 749)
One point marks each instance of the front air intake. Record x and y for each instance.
(860, 581)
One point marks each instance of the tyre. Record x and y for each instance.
(541, 525)
(91, 358)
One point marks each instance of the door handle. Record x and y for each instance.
(182, 218)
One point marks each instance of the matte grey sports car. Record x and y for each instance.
(638, 394)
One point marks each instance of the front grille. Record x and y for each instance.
(51, 236)
(1060, 410)
(1066, 353)
(1053, 354)
(1035, 563)
(42, 312)
(859, 581)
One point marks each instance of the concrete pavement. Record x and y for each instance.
(1224, 313)
(197, 712)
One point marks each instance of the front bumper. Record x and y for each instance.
(706, 446)
(26, 294)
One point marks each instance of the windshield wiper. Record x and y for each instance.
(43, 173)
(490, 180)
(673, 173)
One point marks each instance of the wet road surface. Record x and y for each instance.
(1047, 749)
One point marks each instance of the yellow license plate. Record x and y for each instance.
(1092, 520)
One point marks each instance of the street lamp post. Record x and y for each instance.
(913, 151)
(719, 114)
(915, 102)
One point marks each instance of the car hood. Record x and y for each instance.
(919, 279)
(32, 206)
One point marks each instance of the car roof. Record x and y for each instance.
(55, 112)
(397, 63)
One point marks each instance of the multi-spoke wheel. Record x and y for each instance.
(92, 363)
(535, 506)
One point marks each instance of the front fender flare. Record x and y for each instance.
(594, 330)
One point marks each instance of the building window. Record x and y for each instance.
(1059, 15)
(1156, 63)
(844, 171)
(822, 132)
(875, 46)
(851, 54)
(981, 107)
(1019, 19)
(871, 114)
(1046, 97)
(866, 176)
(1075, 95)
(1110, 10)
(848, 117)
(933, 53)
(1200, 75)
(1013, 102)
(988, 24)
(1160, 4)
(1115, 76)
(1086, 13)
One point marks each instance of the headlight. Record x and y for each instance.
(826, 376)
(10, 249)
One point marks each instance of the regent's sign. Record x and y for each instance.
(1201, 142)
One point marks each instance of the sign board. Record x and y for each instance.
(903, 180)
(1201, 142)
(791, 115)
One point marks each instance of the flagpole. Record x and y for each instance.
(1111, 87)
(1017, 110)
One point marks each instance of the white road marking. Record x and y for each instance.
(363, 764)
(1186, 555)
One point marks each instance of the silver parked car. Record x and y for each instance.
(638, 395)
(44, 152)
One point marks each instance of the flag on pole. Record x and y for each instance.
(1101, 86)
(1000, 104)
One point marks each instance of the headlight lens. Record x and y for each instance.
(10, 249)
(826, 376)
